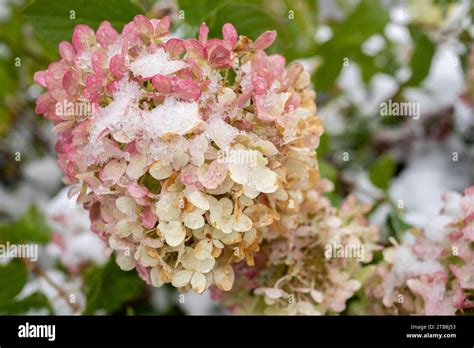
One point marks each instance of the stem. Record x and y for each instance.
(36, 269)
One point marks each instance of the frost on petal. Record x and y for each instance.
(220, 132)
(148, 65)
(173, 117)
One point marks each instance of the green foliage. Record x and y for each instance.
(13, 277)
(30, 227)
(421, 60)
(367, 19)
(397, 225)
(150, 183)
(109, 288)
(35, 301)
(382, 171)
(52, 19)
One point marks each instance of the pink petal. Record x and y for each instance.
(175, 47)
(220, 57)
(118, 66)
(70, 83)
(39, 78)
(230, 35)
(143, 25)
(99, 62)
(163, 84)
(66, 51)
(215, 175)
(203, 33)
(163, 27)
(136, 190)
(195, 48)
(106, 34)
(149, 218)
(265, 40)
(83, 38)
(113, 171)
(188, 90)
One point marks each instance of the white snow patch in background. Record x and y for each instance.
(444, 83)
(195, 304)
(430, 172)
(71, 222)
(43, 172)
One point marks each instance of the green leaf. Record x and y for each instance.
(420, 62)
(397, 225)
(327, 170)
(382, 171)
(30, 227)
(324, 145)
(150, 183)
(109, 288)
(367, 19)
(52, 21)
(35, 301)
(13, 278)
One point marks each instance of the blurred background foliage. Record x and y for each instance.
(360, 53)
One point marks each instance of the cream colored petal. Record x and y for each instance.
(174, 233)
(125, 262)
(198, 282)
(181, 278)
(199, 199)
(224, 277)
(242, 223)
(193, 221)
(203, 249)
(160, 171)
(155, 277)
(136, 167)
(206, 265)
(122, 229)
(126, 205)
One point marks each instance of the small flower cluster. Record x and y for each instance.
(294, 273)
(431, 273)
(146, 155)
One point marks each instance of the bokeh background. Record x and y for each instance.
(361, 53)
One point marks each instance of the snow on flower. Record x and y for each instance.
(432, 273)
(147, 162)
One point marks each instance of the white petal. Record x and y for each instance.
(181, 278)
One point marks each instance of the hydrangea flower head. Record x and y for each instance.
(185, 152)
